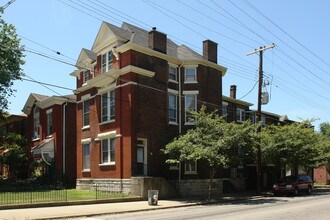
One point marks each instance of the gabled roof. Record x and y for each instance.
(85, 55)
(45, 101)
(33, 98)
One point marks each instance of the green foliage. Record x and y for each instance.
(15, 153)
(325, 128)
(213, 140)
(11, 54)
(296, 144)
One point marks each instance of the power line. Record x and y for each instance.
(8, 3)
(46, 84)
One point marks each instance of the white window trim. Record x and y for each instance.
(175, 93)
(185, 93)
(86, 141)
(240, 115)
(107, 135)
(108, 107)
(49, 112)
(83, 114)
(84, 80)
(176, 72)
(109, 143)
(190, 67)
(86, 170)
(107, 69)
(190, 172)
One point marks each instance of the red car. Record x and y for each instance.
(293, 185)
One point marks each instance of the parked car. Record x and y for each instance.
(293, 185)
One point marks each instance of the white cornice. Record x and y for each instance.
(110, 76)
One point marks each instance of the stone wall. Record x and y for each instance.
(198, 187)
(109, 185)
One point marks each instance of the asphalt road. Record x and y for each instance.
(315, 207)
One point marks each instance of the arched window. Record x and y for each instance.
(36, 123)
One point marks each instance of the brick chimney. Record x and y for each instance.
(233, 91)
(157, 40)
(210, 51)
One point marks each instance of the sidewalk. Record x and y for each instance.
(66, 212)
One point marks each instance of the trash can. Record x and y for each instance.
(153, 197)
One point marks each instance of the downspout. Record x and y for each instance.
(180, 113)
(64, 138)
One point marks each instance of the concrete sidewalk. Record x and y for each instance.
(90, 210)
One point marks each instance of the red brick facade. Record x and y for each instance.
(141, 106)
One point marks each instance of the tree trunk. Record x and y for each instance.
(212, 172)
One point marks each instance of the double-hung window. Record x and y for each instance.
(172, 107)
(108, 106)
(106, 64)
(190, 106)
(36, 123)
(172, 74)
(108, 151)
(86, 157)
(49, 122)
(240, 115)
(85, 113)
(86, 76)
(190, 75)
(224, 110)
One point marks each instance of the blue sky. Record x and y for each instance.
(297, 70)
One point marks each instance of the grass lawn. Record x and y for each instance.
(19, 197)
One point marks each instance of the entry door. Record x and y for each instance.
(142, 157)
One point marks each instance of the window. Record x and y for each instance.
(253, 118)
(108, 151)
(190, 167)
(190, 75)
(263, 119)
(36, 123)
(224, 110)
(172, 75)
(172, 108)
(190, 105)
(86, 76)
(49, 123)
(108, 106)
(240, 115)
(86, 113)
(86, 157)
(106, 64)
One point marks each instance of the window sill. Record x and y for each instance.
(36, 139)
(190, 172)
(173, 81)
(85, 127)
(107, 122)
(86, 171)
(190, 82)
(189, 123)
(174, 168)
(107, 164)
(49, 136)
(173, 123)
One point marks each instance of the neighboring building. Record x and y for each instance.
(51, 134)
(15, 124)
(134, 90)
(322, 175)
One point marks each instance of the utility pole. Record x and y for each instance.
(258, 116)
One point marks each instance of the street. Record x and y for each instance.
(315, 206)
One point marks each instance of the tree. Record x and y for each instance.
(213, 141)
(14, 154)
(296, 144)
(325, 140)
(325, 128)
(11, 54)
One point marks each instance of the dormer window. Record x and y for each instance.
(86, 76)
(106, 64)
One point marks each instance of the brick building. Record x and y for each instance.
(134, 88)
(51, 134)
